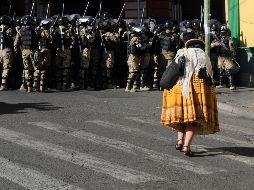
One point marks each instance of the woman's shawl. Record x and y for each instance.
(195, 59)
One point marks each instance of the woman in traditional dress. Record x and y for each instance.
(190, 106)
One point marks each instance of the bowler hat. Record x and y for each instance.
(195, 43)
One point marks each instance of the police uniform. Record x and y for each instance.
(226, 53)
(63, 40)
(6, 45)
(156, 54)
(86, 38)
(133, 61)
(42, 60)
(146, 59)
(27, 41)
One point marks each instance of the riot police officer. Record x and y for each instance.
(189, 33)
(63, 40)
(86, 37)
(226, 53)
(42, 56)
(168, 44)
(134, 56)
(156, 55)
(28, 42)
(6, 45)
(109, 41)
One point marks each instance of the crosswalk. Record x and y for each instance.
(32, 178)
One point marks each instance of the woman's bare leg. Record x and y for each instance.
(189, 134)
(180, 137)
(180, 134)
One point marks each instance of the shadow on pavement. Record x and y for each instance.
(237, 151)
(6, 108)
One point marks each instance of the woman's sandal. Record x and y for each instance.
(179, 146)
(187, 151)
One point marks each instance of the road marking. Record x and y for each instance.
(151, 122)
(78, 158)
(243, 159)
(214, 137)
(127, 129)
(242, 129)
(31, 179)
(155, 156)
(230, 140)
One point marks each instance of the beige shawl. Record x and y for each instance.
(196, 59)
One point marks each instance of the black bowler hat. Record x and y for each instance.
(195, 43)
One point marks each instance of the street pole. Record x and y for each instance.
(207, 26)
(138, 10)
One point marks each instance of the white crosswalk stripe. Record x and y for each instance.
(85, 160)
(155, 156)
(217, 137)
(243, 159)
(127, 129)
(31, 179)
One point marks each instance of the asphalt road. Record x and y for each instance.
(113, 140)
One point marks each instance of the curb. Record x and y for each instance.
(236, 111)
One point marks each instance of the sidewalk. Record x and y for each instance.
(239, 102)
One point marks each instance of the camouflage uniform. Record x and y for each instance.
(6, 55)
(226, 54)
(27, 41)
(42, 60)
(64, 40)
(133, 62)
(108, 58)
(86, 38)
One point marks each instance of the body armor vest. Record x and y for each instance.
(63, 41)
(133, 49)
(166, 42)
(97, 41)
(223, 50)
(28, 38)
(44, 43)
(5, 40)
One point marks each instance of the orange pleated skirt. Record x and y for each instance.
(200, 108)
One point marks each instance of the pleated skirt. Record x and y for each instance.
(200, 108)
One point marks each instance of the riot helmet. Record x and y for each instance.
(122, 24)
(196, 24)
(104, 25)
(45, 23)
(130, 25)
(18, 21)
(28, 20)
(168, 25)
(63, 21)
(214, 27)
(85, 21)
(176, 29)
(5, 20)
(37, 21)
(138, 29)
(188, 24)
(159, 28)
(105, 16)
